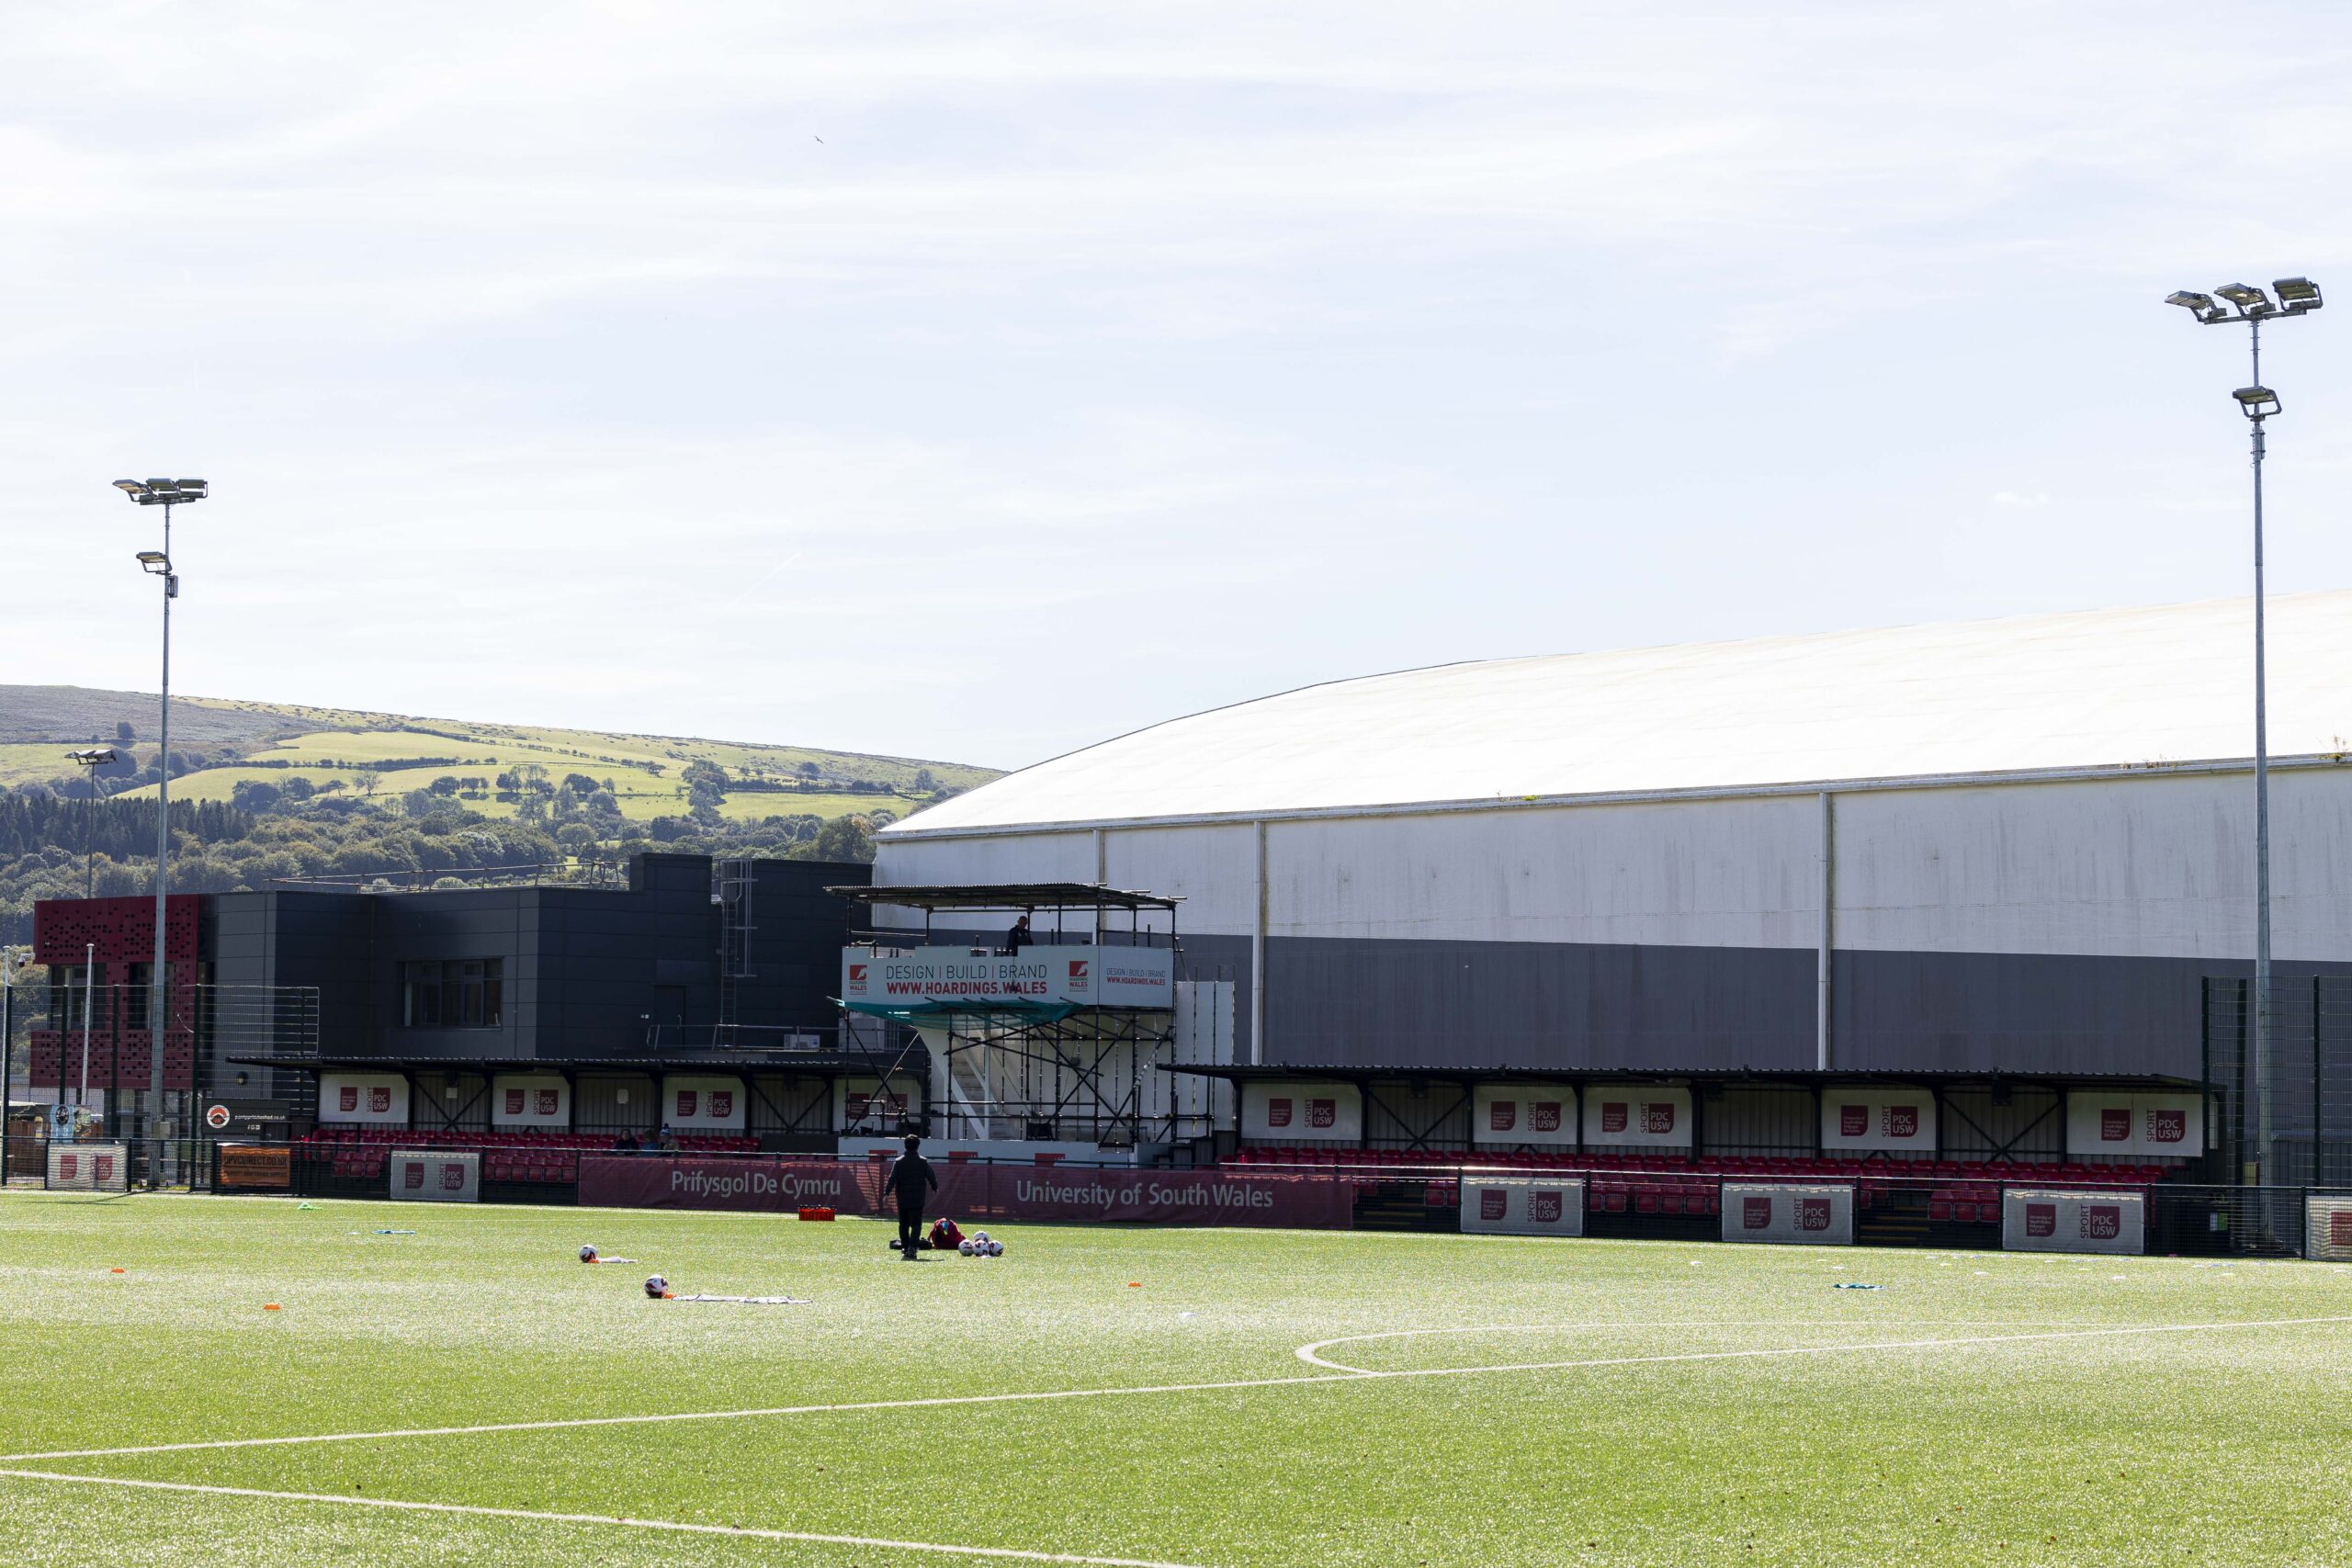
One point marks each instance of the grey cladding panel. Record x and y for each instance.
(1344, 1002)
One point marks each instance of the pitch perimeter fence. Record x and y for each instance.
(1883, 1207)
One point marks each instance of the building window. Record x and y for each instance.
(455, 993)
(135, 994)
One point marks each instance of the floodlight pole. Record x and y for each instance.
(2259, 1168)
(156, 1017)
(2297, 297)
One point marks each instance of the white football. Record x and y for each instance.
(995, 1249)
(587, 1255)
(964, 1246)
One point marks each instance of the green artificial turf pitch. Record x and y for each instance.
(1720, 1404)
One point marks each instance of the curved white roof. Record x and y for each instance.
(2108, 688)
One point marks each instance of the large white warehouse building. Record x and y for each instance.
(2012, 847)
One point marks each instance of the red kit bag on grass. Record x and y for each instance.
(816, 1213)
(945, 1235)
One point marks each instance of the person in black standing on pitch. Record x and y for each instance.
(910, 1181)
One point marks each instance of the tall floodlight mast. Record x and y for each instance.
(165, 493)
(2297, 297)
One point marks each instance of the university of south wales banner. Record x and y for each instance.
(1117, 1195)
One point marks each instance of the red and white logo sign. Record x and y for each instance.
(722, 1104)
(1278, 1112)
(1755, 1213)
(1658, 1117)
(1902, 1121)
(2339, 1228)
(1078, 978)
(2041, 1219)
(1502, 1115)
(347, 1097)
(68, 1166)
(545, 1101)
(413, 1174)
(1612, 1115)
(1544, 1205)
(217, 1117)
(1813, 1214)
(514, 1102)
(1853, 1120)
(1493, 1202)
(453, 1176)
(857, 979)
(379, 1099)
(2102, 1222)
(2115, 1125)
(2168, 1126)
(687, 1099)
(1322, 1112)
(1544, 1115)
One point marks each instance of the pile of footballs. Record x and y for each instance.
(977, 1245)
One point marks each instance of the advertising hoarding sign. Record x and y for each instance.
(1636, 1115)
(703, 1103)
(974, 1191)
(1509, 1203)
(1509, 1116)
(1814, 1214)
(1302, 1112)
(375, 1099)
(257, 1167)
(2114, 1125)
(2073, 1220)
(530, 1099)
(2327, 1229)
(1876, 1116)
(88, 1167)
(1085, 974)
(434, 1176)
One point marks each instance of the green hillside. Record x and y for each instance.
(274, 794)
(391, 754)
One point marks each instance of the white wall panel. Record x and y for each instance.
(1701, 874)
(1214, 870)
(2150, 865)
(2154, 866)
(956, 863)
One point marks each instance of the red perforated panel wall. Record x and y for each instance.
(122, 929)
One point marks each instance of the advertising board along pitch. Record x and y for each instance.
(973, 1191)
(2071, 1220)
(1813, 1215)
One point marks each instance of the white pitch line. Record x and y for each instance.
(1307, 1352)
(1335, 1374)
(606, 1521)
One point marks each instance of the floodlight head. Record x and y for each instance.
(2250, 300)
(155, 561)
(2298, 295)
(163, 492)
(2200, 305)
(2259, 402)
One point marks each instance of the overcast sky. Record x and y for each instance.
(977, 381)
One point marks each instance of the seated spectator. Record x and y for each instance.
(626, 1144)
(669, 1139)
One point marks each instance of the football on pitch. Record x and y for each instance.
(587, 1255)
(966, 1246)
(656, 1286)
(995, 1249)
